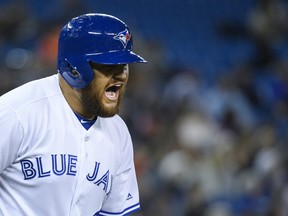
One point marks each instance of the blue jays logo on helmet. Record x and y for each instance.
(124, 37)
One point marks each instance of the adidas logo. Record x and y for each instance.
(129, 196)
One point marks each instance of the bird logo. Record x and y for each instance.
(124, 37)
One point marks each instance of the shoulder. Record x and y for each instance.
(117, 130)
(31, 92)
(119, 121)
(115, 122)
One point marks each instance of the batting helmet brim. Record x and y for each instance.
(115, 57)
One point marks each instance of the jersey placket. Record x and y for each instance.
(86, 192)
(75, 206)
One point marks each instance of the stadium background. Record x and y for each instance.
(208, 114)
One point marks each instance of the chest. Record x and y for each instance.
(78, 167)
(90, 155)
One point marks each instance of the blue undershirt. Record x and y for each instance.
(86, 123)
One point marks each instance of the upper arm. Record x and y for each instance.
(11, 136)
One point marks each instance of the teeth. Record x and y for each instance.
(111, 94)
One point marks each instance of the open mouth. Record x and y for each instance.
(112, 91)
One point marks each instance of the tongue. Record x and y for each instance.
(111, 95)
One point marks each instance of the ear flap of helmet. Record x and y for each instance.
(72, 76)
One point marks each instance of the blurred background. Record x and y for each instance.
(208, 114)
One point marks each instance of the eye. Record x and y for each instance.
(109, 69)
(104, 68)
(125, 67)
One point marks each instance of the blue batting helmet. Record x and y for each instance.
(98, 38)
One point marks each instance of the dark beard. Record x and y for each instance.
(94, 106)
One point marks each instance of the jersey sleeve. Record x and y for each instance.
(11, 136)
(123, 198)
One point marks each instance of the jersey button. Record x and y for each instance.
(86, 139)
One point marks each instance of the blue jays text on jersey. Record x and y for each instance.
(63, 164)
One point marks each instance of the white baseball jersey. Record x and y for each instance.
(51, 165)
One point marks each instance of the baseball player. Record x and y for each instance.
(63, 148)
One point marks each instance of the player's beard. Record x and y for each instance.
(94, 105)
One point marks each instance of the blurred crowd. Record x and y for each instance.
(202, 148)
